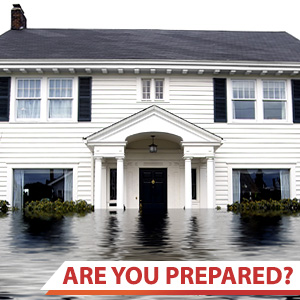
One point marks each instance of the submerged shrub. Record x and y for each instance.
(263, 207)
(4, 206)
(57, 209)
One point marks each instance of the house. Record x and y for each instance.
(149, 119)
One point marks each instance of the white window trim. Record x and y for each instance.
(291, 167)
(44, 104)
(73, 98)
(152, 89)
(12, 167)
(259, 114)
(14, 96)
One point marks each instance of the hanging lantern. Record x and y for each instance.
(153, 147)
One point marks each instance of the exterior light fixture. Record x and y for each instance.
(153, 147)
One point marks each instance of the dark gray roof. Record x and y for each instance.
(149, 44)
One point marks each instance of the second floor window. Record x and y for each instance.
(152, 89)
(28, 98)
(274, 100)
(259, 100)
(243, 96)
(60, 98)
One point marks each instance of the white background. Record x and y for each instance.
(251, 15)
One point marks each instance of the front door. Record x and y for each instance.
(153, 190)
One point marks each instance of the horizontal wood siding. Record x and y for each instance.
(115, 97)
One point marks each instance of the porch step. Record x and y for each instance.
(112, 204)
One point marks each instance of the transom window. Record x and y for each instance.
(60, 98)
(28, 98)
(152, 89)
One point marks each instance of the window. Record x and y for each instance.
(28, 98)
(274, 100)
(60, 98)
(260, 100)
(113, 184)
(243, 96)
(38, 184)
(257, 184)
(152, 89)
(194, 184)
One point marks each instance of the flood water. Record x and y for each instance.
(31, 251)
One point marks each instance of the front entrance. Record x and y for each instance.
(153, 190)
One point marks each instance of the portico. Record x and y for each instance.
(182, 146)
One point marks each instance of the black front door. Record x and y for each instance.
(153, 190)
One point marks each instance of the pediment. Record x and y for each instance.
(153, 119)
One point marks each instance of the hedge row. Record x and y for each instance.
(47, 209)
(284, 206)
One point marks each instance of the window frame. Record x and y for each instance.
(13, 166)
(44, 105)
(259, 101)
(18, 98)
(233, 166)
(153, 89)
(280, 100)
(72, 98)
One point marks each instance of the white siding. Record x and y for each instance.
(115, 97)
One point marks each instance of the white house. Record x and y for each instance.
(79, 110)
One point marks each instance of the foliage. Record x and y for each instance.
(266, 207)
(3, 206)
(46, 209)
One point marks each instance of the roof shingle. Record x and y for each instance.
(114, 44)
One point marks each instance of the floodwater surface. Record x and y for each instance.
(32, 250)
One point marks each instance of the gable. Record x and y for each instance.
(154, 119)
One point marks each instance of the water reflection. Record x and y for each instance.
(258, 230)
(35, 234)
(152, 230)
(37, 248)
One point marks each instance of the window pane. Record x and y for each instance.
(60, 88)
(38, 184)
(243, 89)
(159, 89)
(60, 109)
(146, 88)
(258, 184)
(28, 109)
(194, 184)
(29, 88)
(243, 109)
(274, 110)
(113, 184)
(274, 89)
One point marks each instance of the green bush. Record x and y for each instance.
(56, 209)
(262, 207)
(3, 206)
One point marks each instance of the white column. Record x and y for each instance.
(120, 182)
(210, 193)
(97, 183)
(188, 182)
